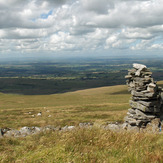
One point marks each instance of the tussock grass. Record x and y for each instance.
(83, 145)
(99, 105)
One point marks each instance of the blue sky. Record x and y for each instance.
(81, 27)
(46, 15)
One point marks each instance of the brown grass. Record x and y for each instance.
(83, 145)
(92, 105)
(94, 145)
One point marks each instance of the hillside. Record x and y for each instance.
(98, 105)
(91, 105)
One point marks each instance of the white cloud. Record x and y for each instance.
(100, 7)
(157, 46)
(80, 25)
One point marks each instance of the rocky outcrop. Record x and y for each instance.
(146, 102)
(25, 131)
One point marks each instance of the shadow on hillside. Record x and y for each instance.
(28, 86)
(121, 92)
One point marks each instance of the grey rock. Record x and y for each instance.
(70, 127)
(25, 131)
(140, 113)
(143, 81)
(137, 105)
(148, 73)
(132, 85)
(139, 66)
(36, 129)
(130, 120)
(66, 128)
(29, 130)
(137, 117)
(133, 128)
(144, 94)
(128, 76)
(142, 122)
(12, 133)
(132, 111)
(143, 98)
(50, 128)
(134, 116)
(150, 116)
(85, 124)
(152, 87)
(146, 103)
(124, 126)
(112, 127)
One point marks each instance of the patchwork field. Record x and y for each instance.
(98, 105)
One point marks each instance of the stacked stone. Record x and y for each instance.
(146, 97)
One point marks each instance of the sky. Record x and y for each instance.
(81, 27)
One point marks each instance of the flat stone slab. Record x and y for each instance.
(139, 106)
(144, 94)
(142, 114)
(149, 103)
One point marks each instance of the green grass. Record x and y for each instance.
(93, 105)
(98, 105)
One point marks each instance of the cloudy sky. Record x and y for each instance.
(81, 26)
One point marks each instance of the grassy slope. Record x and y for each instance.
(98, 105)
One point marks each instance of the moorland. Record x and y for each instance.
(86, 91)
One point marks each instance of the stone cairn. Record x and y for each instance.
(146, 98)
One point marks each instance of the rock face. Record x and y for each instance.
(146, 102)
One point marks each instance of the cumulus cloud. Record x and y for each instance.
(80, 25)
(100, 7)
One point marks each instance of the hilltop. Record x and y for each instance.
(98, 105)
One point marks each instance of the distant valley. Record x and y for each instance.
(36, 77)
